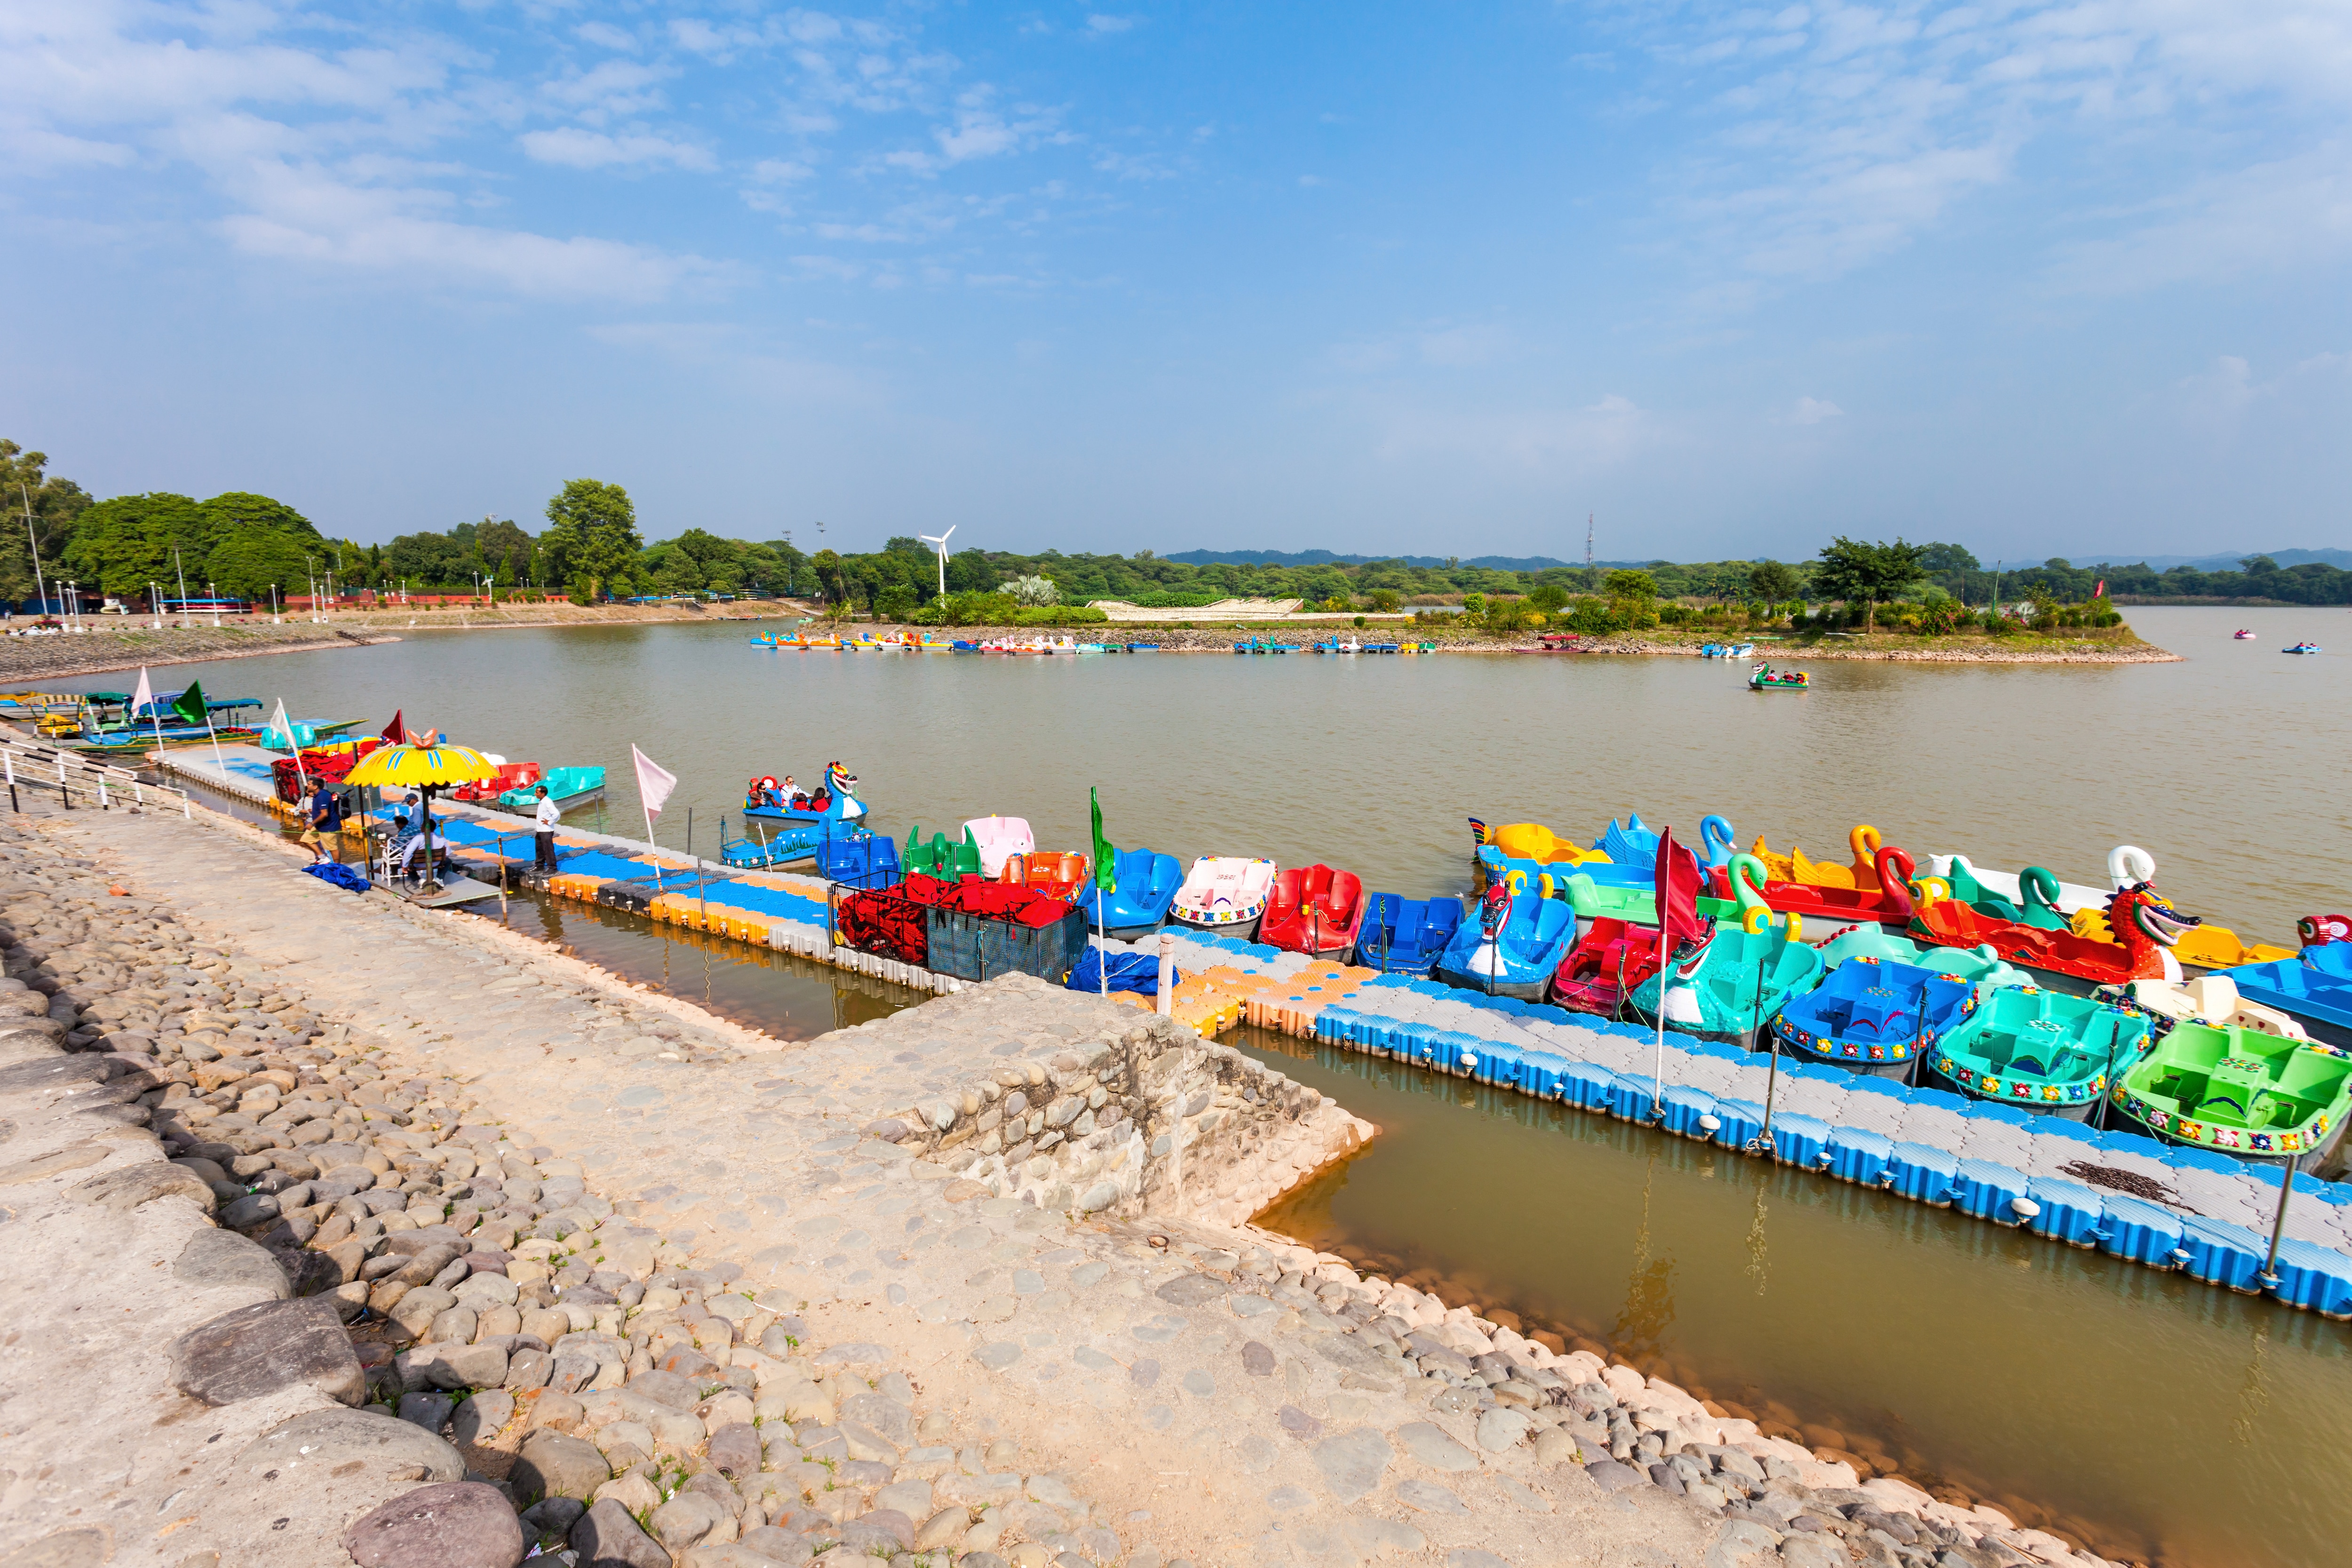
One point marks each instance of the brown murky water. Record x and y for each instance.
(2153, 1418)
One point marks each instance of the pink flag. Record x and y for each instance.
(654, 782)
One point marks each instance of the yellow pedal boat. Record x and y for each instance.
(1794, 867)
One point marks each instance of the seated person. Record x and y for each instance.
(819, 801)
(426, 843)
(790, 796)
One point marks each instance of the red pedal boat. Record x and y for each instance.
(1313, 910)
(1889, 903)
(512, 776)
(1608, 960)
(2144, 924)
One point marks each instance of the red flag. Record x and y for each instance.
(2101, 590)
(1677, 884)
(396, 732)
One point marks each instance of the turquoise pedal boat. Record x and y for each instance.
(2040, 1050)
(1982, 965)
(1745, 978)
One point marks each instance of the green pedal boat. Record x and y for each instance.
(2239, 1092)
(2039, 1050)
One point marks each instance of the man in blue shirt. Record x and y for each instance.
(325, 818)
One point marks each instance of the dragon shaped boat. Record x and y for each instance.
(1874, 1017)
(2248, 1095)
(1405, 936)
(1511, 948)
(2148, 925)
(1313, 910)
(2040, 1050)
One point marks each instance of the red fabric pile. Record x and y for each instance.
(333, 767)
(890, 922)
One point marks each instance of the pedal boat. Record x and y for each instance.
(1516, 956)
(2248, 1095)
(568, 788)
(2040, 1050)
(1144, 885)
(1056, 874)
(999, 838)
(1611, 958)
(2150, 926)
(1405, 936)
(1313, 910)
(2316, 986)
(1226, 894)
(1864, 841)
(950, 860)
(2206, 947)
(1872, 1017)
(1980, 967)
(2207, 999)
(1744, 978)
(1889, 903)
(2002, 895)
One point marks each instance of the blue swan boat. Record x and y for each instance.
(1404, 936)
(1514, 956)
(1874, 1016)
(1146, 884)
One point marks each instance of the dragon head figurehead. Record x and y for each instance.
(2141, 917)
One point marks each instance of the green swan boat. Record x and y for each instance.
(2241, 1092)
(2039, 1050)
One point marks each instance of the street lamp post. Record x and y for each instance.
(181, 573)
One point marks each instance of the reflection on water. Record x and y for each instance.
(1981, 1362)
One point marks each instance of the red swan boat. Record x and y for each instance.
(2144, 924)
(1313, 910)
(1889, 903)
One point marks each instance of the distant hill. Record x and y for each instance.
(1325, 557)
(2340, 559)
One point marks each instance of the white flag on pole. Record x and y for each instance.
(281, 723)
(142, 697)
(654, 782)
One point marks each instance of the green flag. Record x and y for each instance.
(190, 704)
(1106, 878)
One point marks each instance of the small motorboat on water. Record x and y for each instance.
(2238, 1092)
(1224, 893)
(2303, 647)
(1871, 1016)
(1742, 978)
(1145, 885)
(1313, 910)
(1405, 936)
(999, 838)
(2039, 1050)
(2242, 634)
(1510, 947)
(1764, 677)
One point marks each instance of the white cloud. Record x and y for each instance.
(1813, 411)
(1104, 26)
(578, 148)
(605, 36)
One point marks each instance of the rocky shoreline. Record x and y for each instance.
(378, 1235)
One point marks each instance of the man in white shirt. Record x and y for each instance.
(548, 817)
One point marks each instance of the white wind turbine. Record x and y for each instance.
(941, 543)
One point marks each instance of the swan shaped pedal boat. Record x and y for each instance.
(1980, 967)
(1405, 936)
(2236, 1092)
(1744, 977)
(1864, 841)
(1144, 886)
(1872, 1017)
(2039, 1050)
(1889, 902)
(1510, 947)
(1972, 885)
(1224, 893)
(1313, 910)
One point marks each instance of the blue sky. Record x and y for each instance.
(2044, 278)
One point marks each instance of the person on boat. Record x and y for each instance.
(789, 796)
(548, 817)
(326, 817)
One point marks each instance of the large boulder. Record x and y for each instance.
(270, 1345)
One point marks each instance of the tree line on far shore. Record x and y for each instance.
(245, 545)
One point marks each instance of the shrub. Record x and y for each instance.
(1032, 591)
(1385, 601)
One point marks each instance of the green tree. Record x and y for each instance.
(250, 561)
(599, 523)
(56, 504)
(1866, 574)
(125, 544)
(1548, 597)
(1385, 601)
(1772, 582)
(830, 582)
(1634, 585)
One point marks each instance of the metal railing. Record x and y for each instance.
(28, 765)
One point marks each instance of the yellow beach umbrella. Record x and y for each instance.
(423, 767)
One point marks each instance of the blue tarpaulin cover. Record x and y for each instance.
(1137, 972)
(340, 876)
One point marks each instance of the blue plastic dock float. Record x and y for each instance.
(2142, 1231)
(1742, 1120)
(1684, 1106)
(1589, 1086)
(2221, 1253)
(2071, 1212)
(1922, 1173)
(2314, 1278)
(1988, 1190)
(1801, 1140)
(1860, 1156)
(1629, 1098)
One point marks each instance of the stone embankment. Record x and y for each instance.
(45, 656)
(358, 1232)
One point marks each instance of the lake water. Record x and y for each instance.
(2163, 1419)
